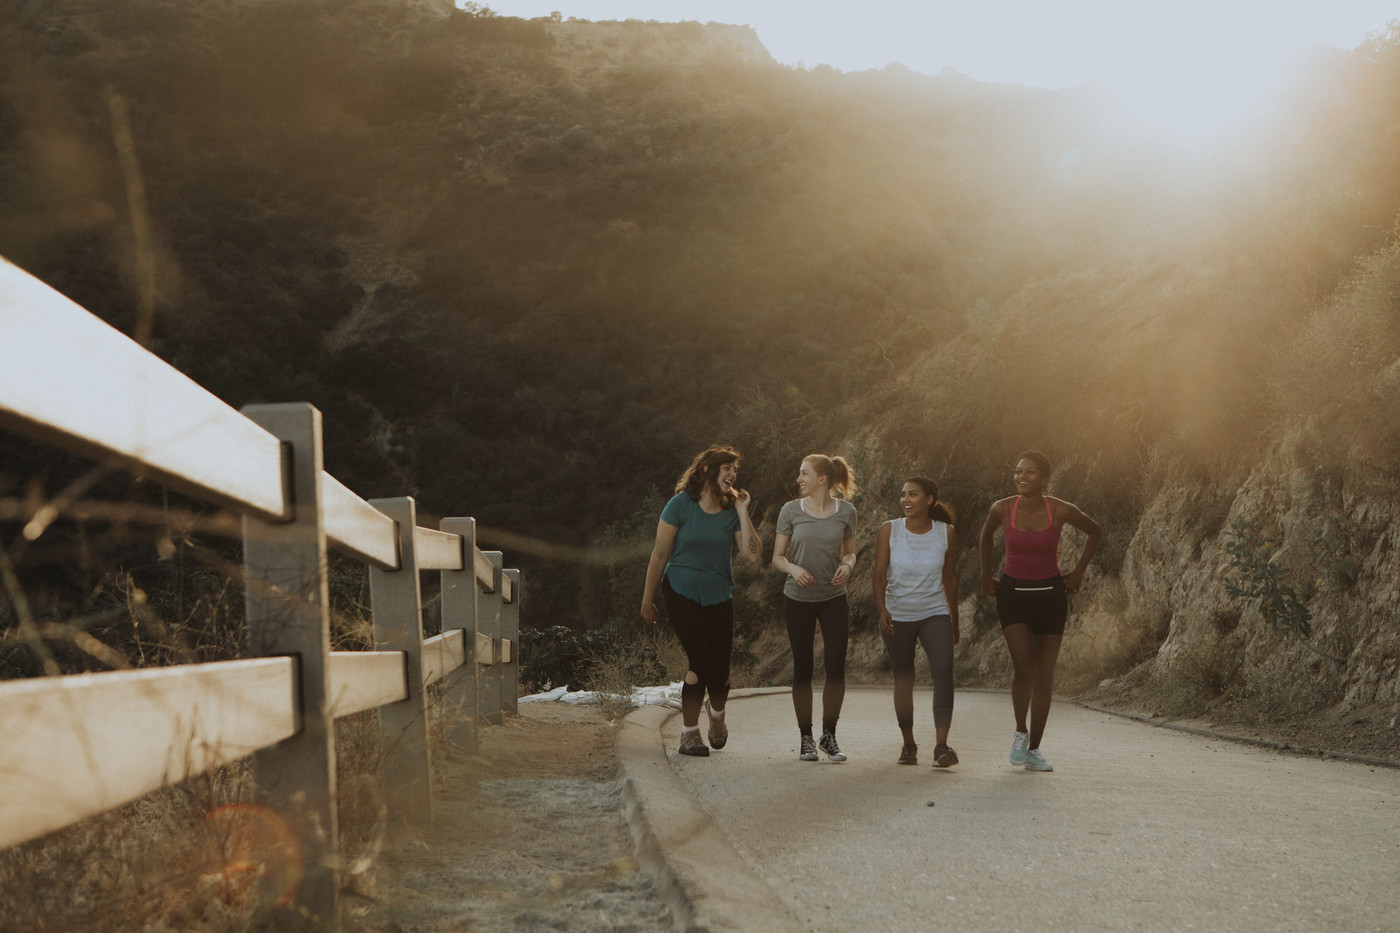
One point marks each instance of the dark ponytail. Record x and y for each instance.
(940, 511)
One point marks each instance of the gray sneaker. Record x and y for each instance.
(809, 749)
(692, 744)
(1035, 761)
(1020, 741)
(719, 732)
(828, 745)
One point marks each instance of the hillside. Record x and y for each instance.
(528, 268)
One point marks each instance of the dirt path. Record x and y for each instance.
(528, 836)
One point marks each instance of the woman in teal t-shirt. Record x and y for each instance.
(691, 562)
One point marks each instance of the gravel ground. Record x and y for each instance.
(528, 836)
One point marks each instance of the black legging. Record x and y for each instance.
(707, 635)
(802, 618)
(936, 635)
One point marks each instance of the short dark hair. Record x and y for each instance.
(1042, 462)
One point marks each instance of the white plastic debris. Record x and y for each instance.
(641, 696)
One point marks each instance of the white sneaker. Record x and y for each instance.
(1019, 742)
(1035, 761)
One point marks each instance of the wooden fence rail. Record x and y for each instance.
(75, 746)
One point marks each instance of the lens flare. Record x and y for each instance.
(262, 860)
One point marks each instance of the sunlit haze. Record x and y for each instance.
(1192, 69)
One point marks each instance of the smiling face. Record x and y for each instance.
(809, 481)
(728, 475)
(1029, 479)
(914, 502)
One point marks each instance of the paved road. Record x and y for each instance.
(1138, 828)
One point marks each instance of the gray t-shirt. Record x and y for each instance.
(816, 548)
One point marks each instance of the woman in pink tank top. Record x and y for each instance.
(1032, 596)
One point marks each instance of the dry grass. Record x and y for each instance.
(185, 857)
(1196, 677)
(1272, 696)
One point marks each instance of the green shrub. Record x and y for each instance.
(1263, 582)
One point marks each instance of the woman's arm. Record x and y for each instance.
(1071, 515)
(746, 539)
(848, 562)
(660, 554)
(950, 580)
(984, 546)
(781, 564)
(880, 577)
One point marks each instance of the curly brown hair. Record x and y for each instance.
(704, 471)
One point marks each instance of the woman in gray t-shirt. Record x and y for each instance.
(815, 546)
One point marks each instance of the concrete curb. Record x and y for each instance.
(700, 875)
(1301, 750)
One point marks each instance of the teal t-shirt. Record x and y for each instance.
(701, 565)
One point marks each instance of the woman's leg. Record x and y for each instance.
(900, 646)
(801, 619)
(936, 635)
(835, 618)
(687, 619)
(1021, 643)
(719, 634)
(1047, 652)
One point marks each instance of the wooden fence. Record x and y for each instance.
(79, 745)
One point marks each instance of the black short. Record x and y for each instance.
(1041, 604)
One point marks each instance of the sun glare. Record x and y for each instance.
(1194, 75)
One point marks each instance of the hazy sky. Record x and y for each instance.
(1191, 67)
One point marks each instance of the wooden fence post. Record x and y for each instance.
(288, 613)
(510, 631)
(488, 620)
(396, 601)
(459, 609)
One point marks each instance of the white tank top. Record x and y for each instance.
(914, 589)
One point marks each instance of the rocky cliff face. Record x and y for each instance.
(1330, 526)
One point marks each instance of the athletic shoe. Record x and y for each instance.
(828, 745)
(809, 749)
(692, 744)
(719, 732)
(944, 757)
(1035, 761)
(1019, 742)
(909, 755)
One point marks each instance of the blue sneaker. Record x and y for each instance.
(1020, 741)
(1035, 761)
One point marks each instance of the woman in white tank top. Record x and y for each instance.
(916, 593)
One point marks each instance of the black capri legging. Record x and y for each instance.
(1041, 604)
(802, 618)
(936, 635)
(707, 635)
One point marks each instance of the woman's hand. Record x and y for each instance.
(800, 576)
(989, 584)
(887, 623)
(1073, 580)
(649, 612)
(843, 573)
(742, 499)
(957, 633)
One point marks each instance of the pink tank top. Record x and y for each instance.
(1032, 555)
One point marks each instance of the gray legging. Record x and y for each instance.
(936, 635)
